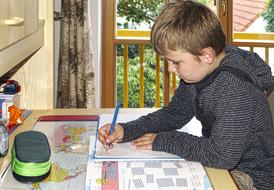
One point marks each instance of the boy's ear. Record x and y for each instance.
(207, 55)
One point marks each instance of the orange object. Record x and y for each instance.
(15, 116)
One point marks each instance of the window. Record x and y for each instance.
(251, 27)
(239, 19)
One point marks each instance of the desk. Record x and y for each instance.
(221, 179)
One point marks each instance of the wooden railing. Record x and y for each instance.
(142, 38)
(158, 62)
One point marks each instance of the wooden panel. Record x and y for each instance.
(108, 55)
(173, 83)
(157, 102)
(133, 33)
(216, 177)
(166, 84)
(251, 49)
(266, 54)
(223, 12)
(125, 76)
(254, 44)
(131, 40)
(142, 87)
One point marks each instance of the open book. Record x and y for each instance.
(125, 151)
(124, 167)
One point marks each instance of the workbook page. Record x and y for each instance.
(125, 151)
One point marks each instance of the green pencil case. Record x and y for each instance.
(30, 160)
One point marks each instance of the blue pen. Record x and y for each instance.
(113, 123)
(114, 118)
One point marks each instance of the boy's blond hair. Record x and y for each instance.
(189, 26)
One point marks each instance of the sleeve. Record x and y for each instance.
(229, 135)
(174, 116)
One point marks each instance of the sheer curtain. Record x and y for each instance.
(75, 70)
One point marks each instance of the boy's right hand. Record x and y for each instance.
(116, 136)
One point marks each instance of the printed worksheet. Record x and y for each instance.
(146, 175)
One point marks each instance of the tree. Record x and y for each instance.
(142, 11)
(268, 16)
(139, 11)
(133, 80)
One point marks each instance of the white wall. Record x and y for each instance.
(57, 28)
(96, 27)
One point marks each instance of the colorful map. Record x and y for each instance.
(69, 141)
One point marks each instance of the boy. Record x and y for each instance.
(222, 86)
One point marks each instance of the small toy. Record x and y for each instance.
(10, 87)
(15, 116)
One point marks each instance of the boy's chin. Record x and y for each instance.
(189, 81)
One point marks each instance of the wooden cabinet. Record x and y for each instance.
(26, 50)
(18, 19)
(19, 32)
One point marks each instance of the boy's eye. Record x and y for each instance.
(175, 62)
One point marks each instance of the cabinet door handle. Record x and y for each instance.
(15, 21)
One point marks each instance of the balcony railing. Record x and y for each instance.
(127, 37)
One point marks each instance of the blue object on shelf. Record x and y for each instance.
(10, 87)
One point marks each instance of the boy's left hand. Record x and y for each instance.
(144, 142)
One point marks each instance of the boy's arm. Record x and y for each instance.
(174, 116)
(229, 135)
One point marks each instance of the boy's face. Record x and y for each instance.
(188, 67)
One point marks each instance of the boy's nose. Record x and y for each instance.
(171, 67)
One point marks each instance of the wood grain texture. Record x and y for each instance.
(17, 52)
(37, 75)
(108, 55)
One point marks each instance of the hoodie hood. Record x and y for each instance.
(249, 63)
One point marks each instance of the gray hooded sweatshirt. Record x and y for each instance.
(235, 114)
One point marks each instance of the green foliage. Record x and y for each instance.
(268, 16)
(133, 50)
(206, 2)
(134, 80)
(139, 11)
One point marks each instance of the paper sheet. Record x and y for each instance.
(193, 127)
(125, 151)
(146, 175)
